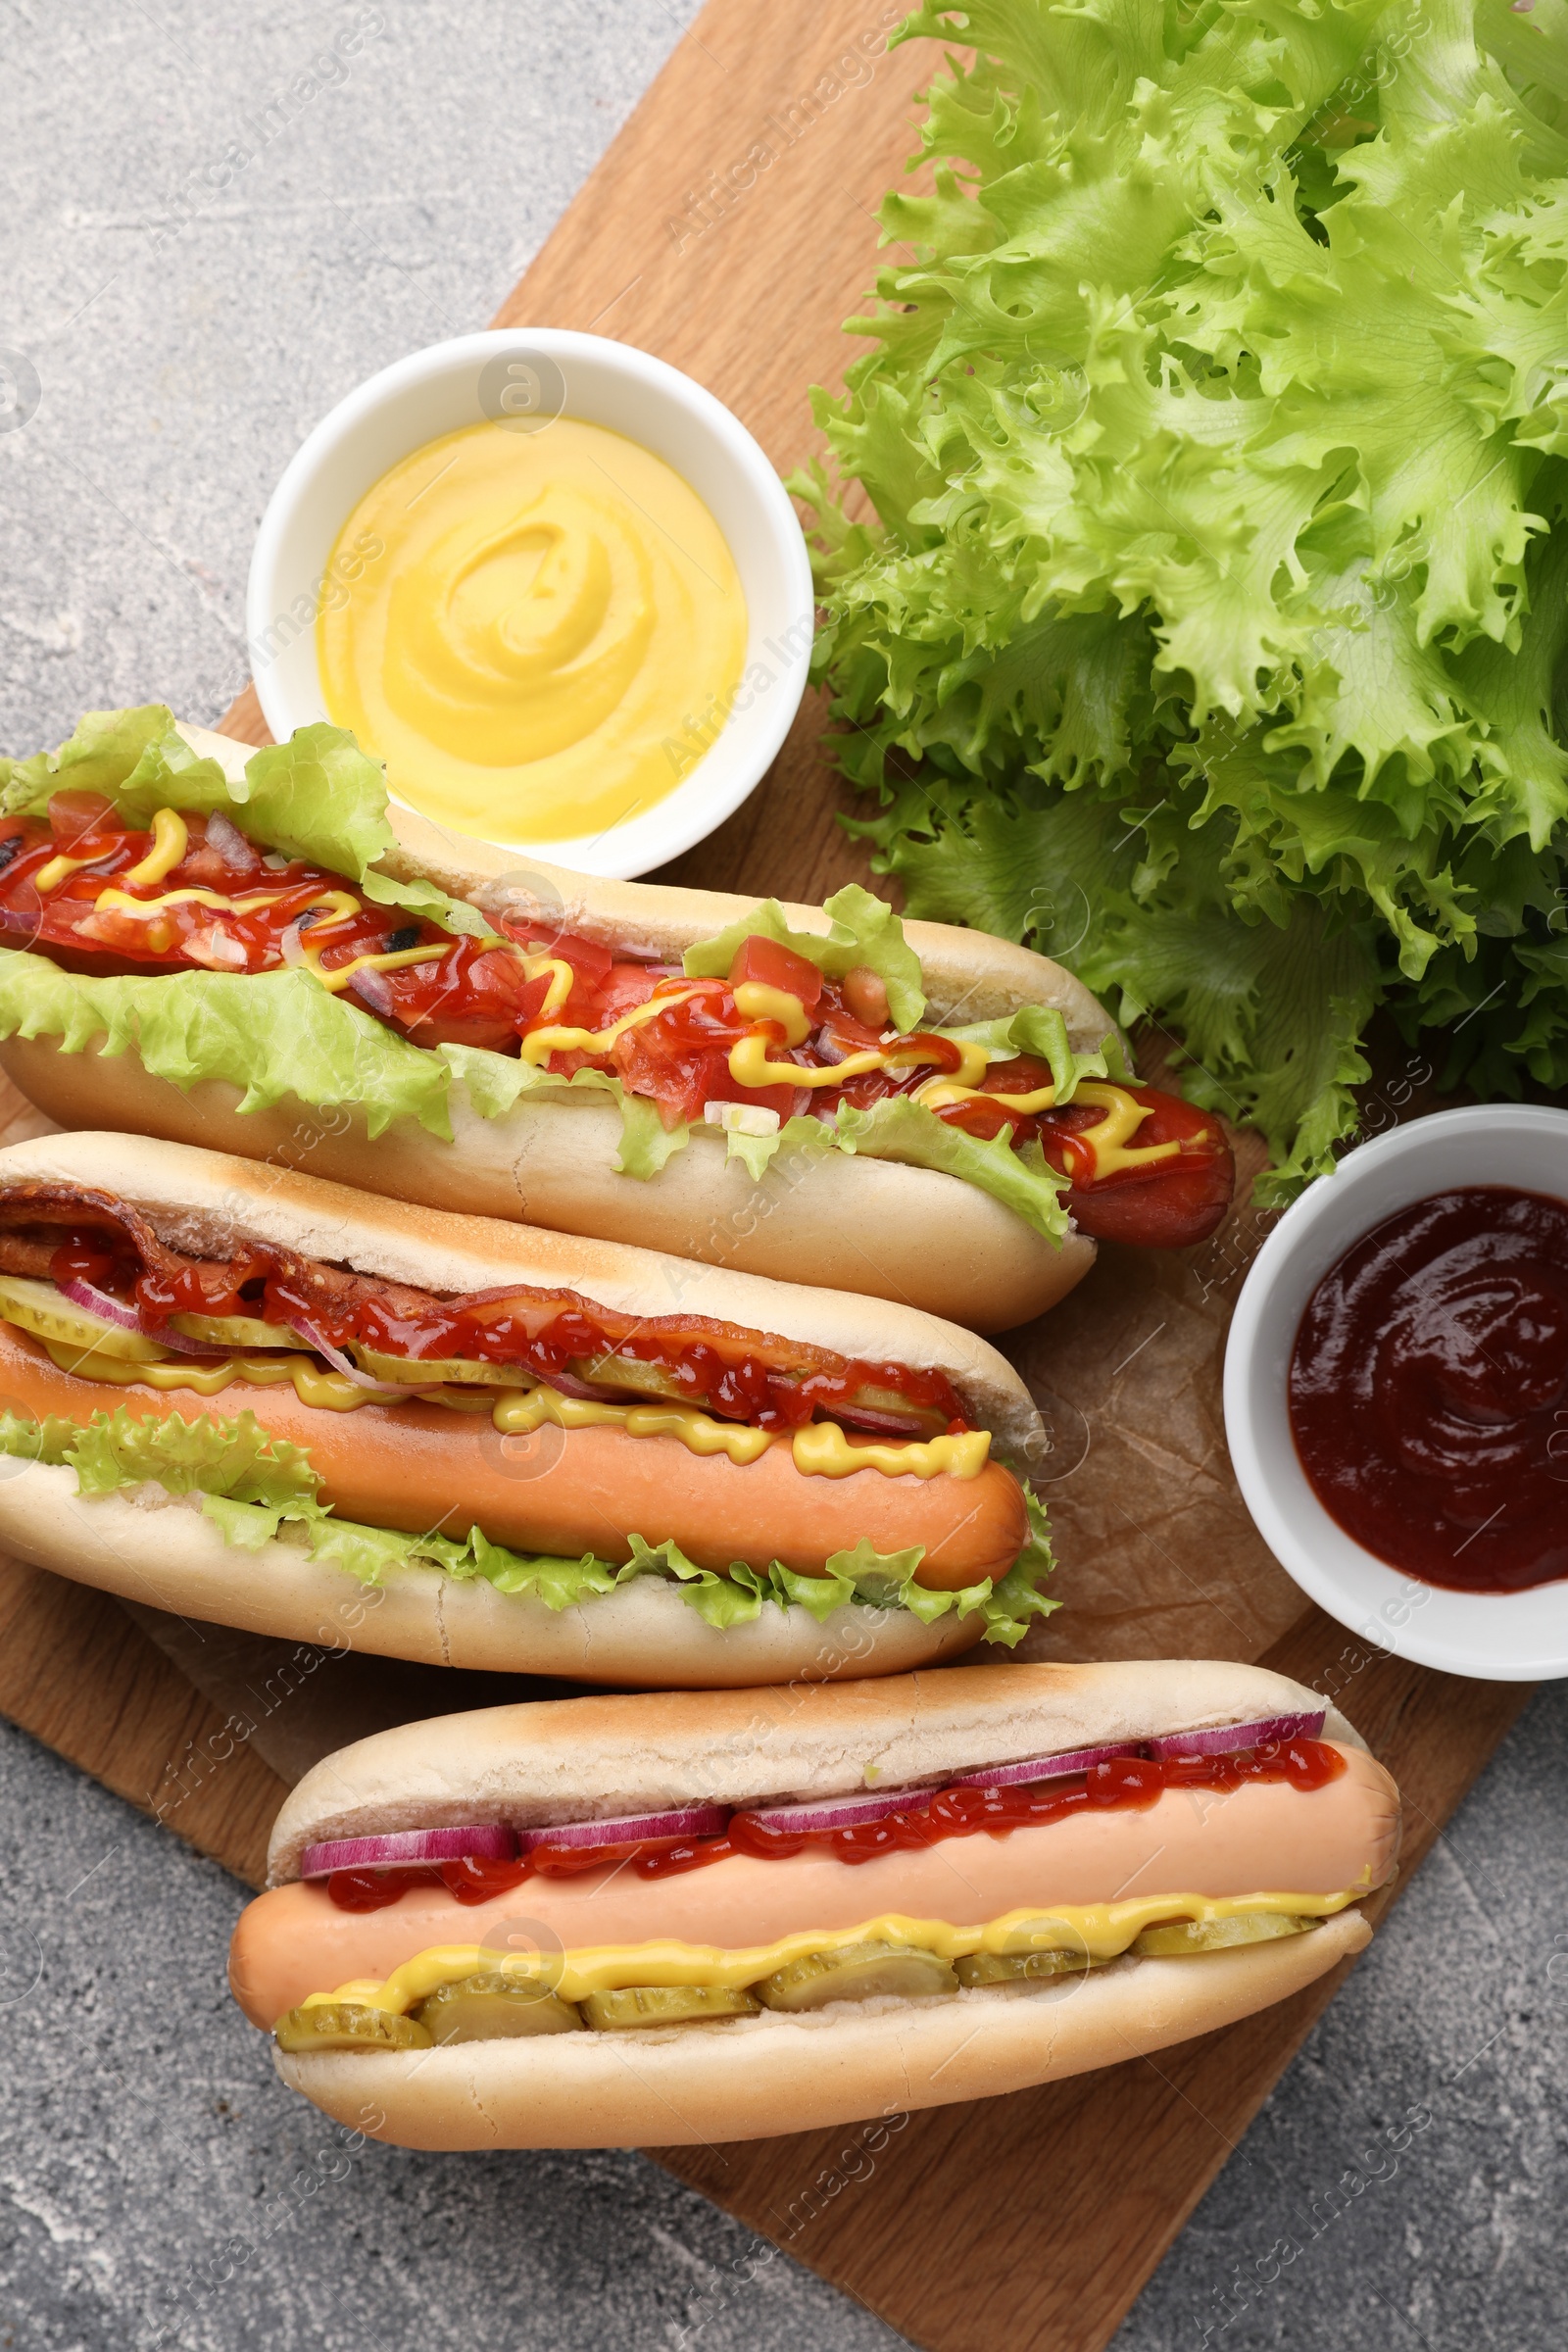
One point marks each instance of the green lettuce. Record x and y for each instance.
(1041, 1031)
(1021, 1180)
(318, 797)
(864, 930)
(256, 1488)
(1212, 628)
(270, 1034)
(423, 898)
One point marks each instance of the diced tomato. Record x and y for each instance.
(841, 1033)
(625, 986)
(590, 966)
(590, 963)
(465, 996)
(680, 1058)
(81, 822)
(209, 868)
(771, 966)
(680, 1081)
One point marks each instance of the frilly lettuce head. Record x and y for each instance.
(1215, 415)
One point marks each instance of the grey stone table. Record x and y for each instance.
(215, 221)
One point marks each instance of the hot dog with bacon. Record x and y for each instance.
(610, 1920)
(236, 949)
(246, 1394)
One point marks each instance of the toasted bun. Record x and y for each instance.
(157, 1549)
(774, 2074)
(856, 1224)
(211, 1204)
(589, 1759)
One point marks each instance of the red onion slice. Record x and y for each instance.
(1045, 1768)
(690, 1821)
(567, 1384)
(840, 1812)
(892, 1425)
(1226, 1738)
(101, 1303)
(126, 1318)
(486, 1841)
(226, 837)
(313, 1337)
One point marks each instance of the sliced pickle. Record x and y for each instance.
(1176, 1938)
(932, 1423)
(348, 2026)
(234, 1331)
(631, 1373)
(431, 1371)
(495, 2007)
(638, 2005)
(38, 1307)
(455, 1401)
(857, 1972)
(1014, 1968)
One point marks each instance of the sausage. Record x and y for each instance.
(1262, 1837)
(425, 1468)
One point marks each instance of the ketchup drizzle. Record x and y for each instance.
(1126, 1783)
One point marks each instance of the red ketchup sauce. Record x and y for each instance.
(541, 1332)
(1130, 1782)
(1429, 1390)
(462, 991)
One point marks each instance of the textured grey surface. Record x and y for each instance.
(159, 2186)
(1404, 2187)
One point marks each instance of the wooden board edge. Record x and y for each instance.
(149, 1737)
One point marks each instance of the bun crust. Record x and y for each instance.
(869, 1226)
(212, 1202)
(774, 2074)
(149, 1546)
(588, 1759)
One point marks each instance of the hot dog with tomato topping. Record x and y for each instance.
(240, 950)
(246, 1394)
(610, 1920)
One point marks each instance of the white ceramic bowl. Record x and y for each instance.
(516, 375)
(1505, 1637)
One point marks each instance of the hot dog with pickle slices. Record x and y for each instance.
(238, 949)
(247, 1395)
(730, 1914)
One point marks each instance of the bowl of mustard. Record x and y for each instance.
(549, 581)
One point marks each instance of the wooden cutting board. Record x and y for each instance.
(730, 229)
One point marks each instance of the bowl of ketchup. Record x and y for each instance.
(1396, 1392)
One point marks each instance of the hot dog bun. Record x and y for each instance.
(158, 1549)
(607, 1758)
(409, 1466)
(851, 1223)
(762, 2075)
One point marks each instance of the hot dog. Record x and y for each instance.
(247, 1395)
(608, 1921)
(240, 950)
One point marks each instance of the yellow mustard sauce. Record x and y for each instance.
(550, 612)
